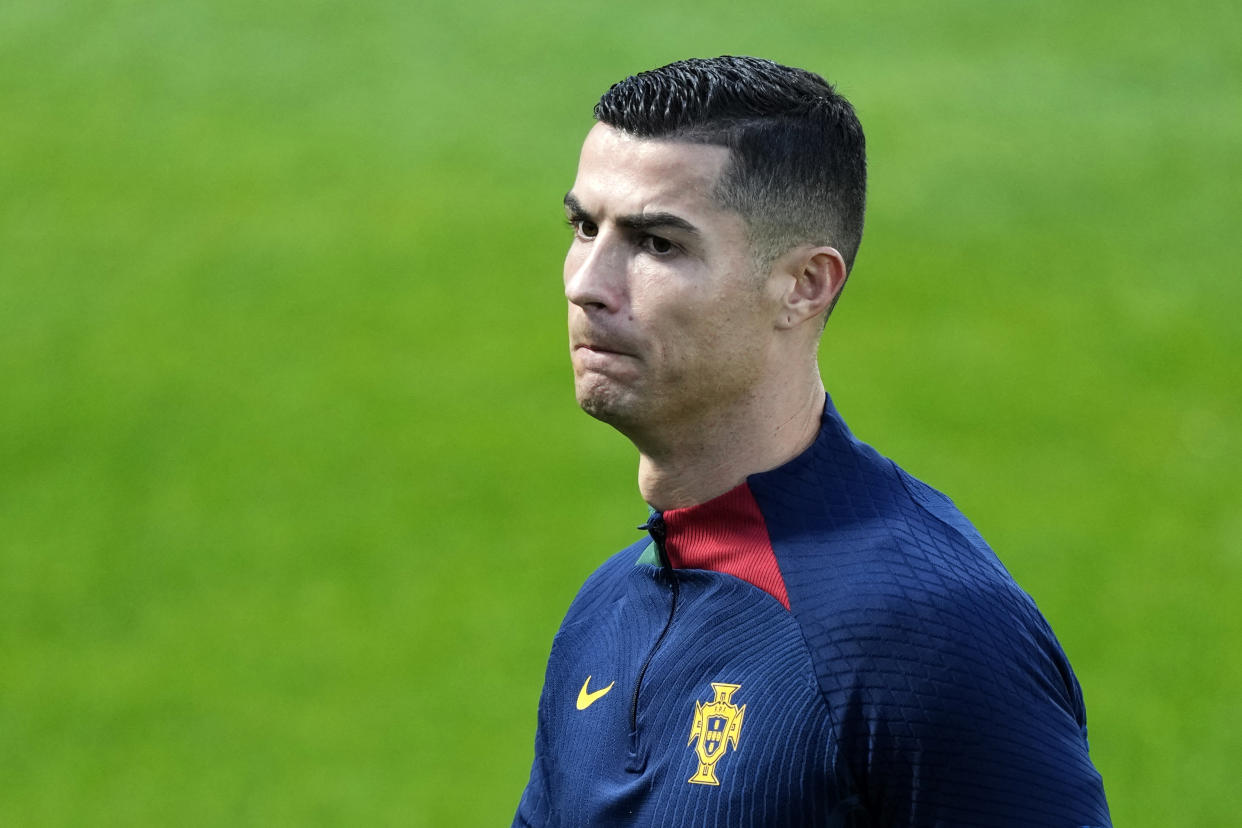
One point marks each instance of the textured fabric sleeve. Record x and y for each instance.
(951, 715)
(532, 810)
(952, 703)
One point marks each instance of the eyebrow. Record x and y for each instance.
(639, 222)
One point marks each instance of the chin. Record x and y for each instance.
(600, 407)
(606, 403)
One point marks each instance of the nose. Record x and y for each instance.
(595, 274)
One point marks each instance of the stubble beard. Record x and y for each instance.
(646, 417)
(645, 410)
(630, 409)
(606, 403)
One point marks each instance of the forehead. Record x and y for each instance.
(622, 174)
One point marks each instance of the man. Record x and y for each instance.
(807, 635)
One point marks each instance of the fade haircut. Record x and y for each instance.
(798, 170)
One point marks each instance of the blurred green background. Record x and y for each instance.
(293, 490)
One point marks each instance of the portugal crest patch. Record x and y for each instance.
(716, 726)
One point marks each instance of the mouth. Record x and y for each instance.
(597, 356)
(595, 342)
(598, 348)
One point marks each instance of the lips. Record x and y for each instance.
(600, 348)
(596, 353)
(600, 342)
(595, 357)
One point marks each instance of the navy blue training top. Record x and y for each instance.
(831, 643)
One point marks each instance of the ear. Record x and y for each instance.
(815, 276)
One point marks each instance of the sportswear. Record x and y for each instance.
(829, 643)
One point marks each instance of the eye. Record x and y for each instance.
(658, 245)
(584, 229)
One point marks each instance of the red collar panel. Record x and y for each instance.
(726, 534)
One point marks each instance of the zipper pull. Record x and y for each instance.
(658, 531)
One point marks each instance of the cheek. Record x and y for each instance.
(689, 338)
(726, 332)
(667, 291)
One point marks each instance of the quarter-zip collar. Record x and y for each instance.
(726, 534)
(729, 533)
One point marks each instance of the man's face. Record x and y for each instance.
(669, 322)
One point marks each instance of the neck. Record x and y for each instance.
(714, 454)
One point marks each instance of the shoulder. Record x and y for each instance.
(946, 684)
(901, 602)
(950, 697)
(606, 585)
(914, 597)
(949, 694)
(904, 626)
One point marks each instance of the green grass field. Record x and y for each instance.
(293, 489)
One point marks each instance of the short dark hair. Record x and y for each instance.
(798, 172)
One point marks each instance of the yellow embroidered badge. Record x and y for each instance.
(716, 726)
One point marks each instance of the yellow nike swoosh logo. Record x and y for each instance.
(586, 699)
